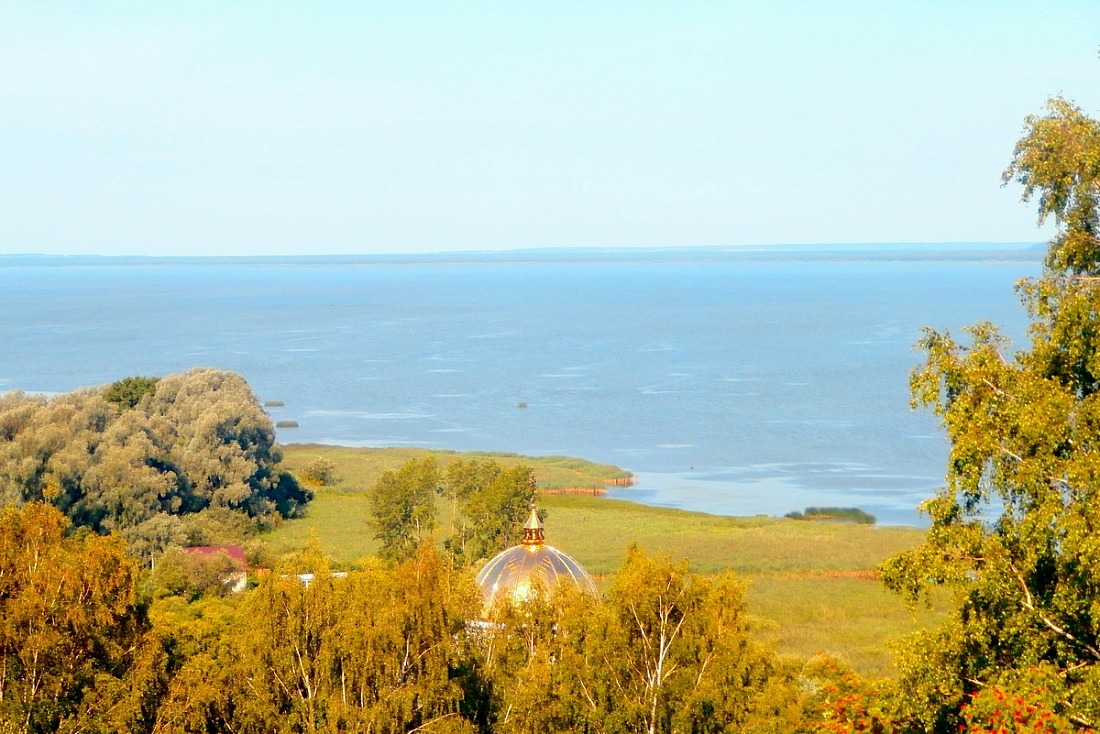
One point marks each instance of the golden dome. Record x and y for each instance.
(513, 572)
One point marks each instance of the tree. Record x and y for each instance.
(494, 512)
(403, 507)
(193, 575)
(71, 629)
(379, 650)
(154, 460)
(128, 392)
(465, 478)
(666, 651)
(1016, 530)
(320, 472)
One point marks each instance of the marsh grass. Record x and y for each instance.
(359, 468)
(812, 585)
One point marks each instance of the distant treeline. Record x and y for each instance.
(187, 459)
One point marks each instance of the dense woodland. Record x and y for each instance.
(188, 459)
(104, 627)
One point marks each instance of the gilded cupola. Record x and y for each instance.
(515, 572)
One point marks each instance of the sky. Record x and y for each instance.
(282, 128)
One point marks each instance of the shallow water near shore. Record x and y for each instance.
(736, 386)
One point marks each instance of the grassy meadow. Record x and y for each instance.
(811, 584)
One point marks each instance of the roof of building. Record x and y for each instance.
(235, 552)
(515, 572)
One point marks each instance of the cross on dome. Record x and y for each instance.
(532, 529)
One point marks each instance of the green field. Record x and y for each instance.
(812, 587)
(359, 468)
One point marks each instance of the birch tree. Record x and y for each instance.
(403, 507)
(1016, 528)
(666, 651)
(69, 618)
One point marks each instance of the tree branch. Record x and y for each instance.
(1029, 604)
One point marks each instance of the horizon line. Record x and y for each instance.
(910, 247)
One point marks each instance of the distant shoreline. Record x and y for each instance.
(1014, 252)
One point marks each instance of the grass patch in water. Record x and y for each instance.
(839, 514)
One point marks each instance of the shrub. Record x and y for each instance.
(320, 472)
(187, 457)
(191, 575)
(842, 514)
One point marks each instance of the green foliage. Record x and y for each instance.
(464, 479)
(488, 505)
(388, 648)
(128, 392)
(191, 448)
(667, 651)
(493, 504)
(380, 650)
(813, 584)
(391, 649)
(403, 507)
(1015, 531)
(192, 575)
(320, 472)
(1058, 160)
(842, 514)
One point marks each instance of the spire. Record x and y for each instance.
(532, 529)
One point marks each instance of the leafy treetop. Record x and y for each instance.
(1016, 530)
(128, 392)
(194, 461)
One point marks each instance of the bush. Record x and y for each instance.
(841, 514)
(187, 458)
(191, 575)
(320, 472)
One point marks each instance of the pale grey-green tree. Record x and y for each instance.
(187, 458)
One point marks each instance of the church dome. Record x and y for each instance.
(512, 573)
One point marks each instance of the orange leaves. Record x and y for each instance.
(994, 710)
(67, 611)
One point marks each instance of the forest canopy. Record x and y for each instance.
(386, 648)
(182, 460)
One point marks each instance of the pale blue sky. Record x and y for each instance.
(310, 128)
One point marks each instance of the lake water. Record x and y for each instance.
(729, 384)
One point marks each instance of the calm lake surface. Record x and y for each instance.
(733, 386)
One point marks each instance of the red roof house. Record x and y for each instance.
(236, 580)
(235, 552)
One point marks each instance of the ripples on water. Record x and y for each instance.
(737, 387)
